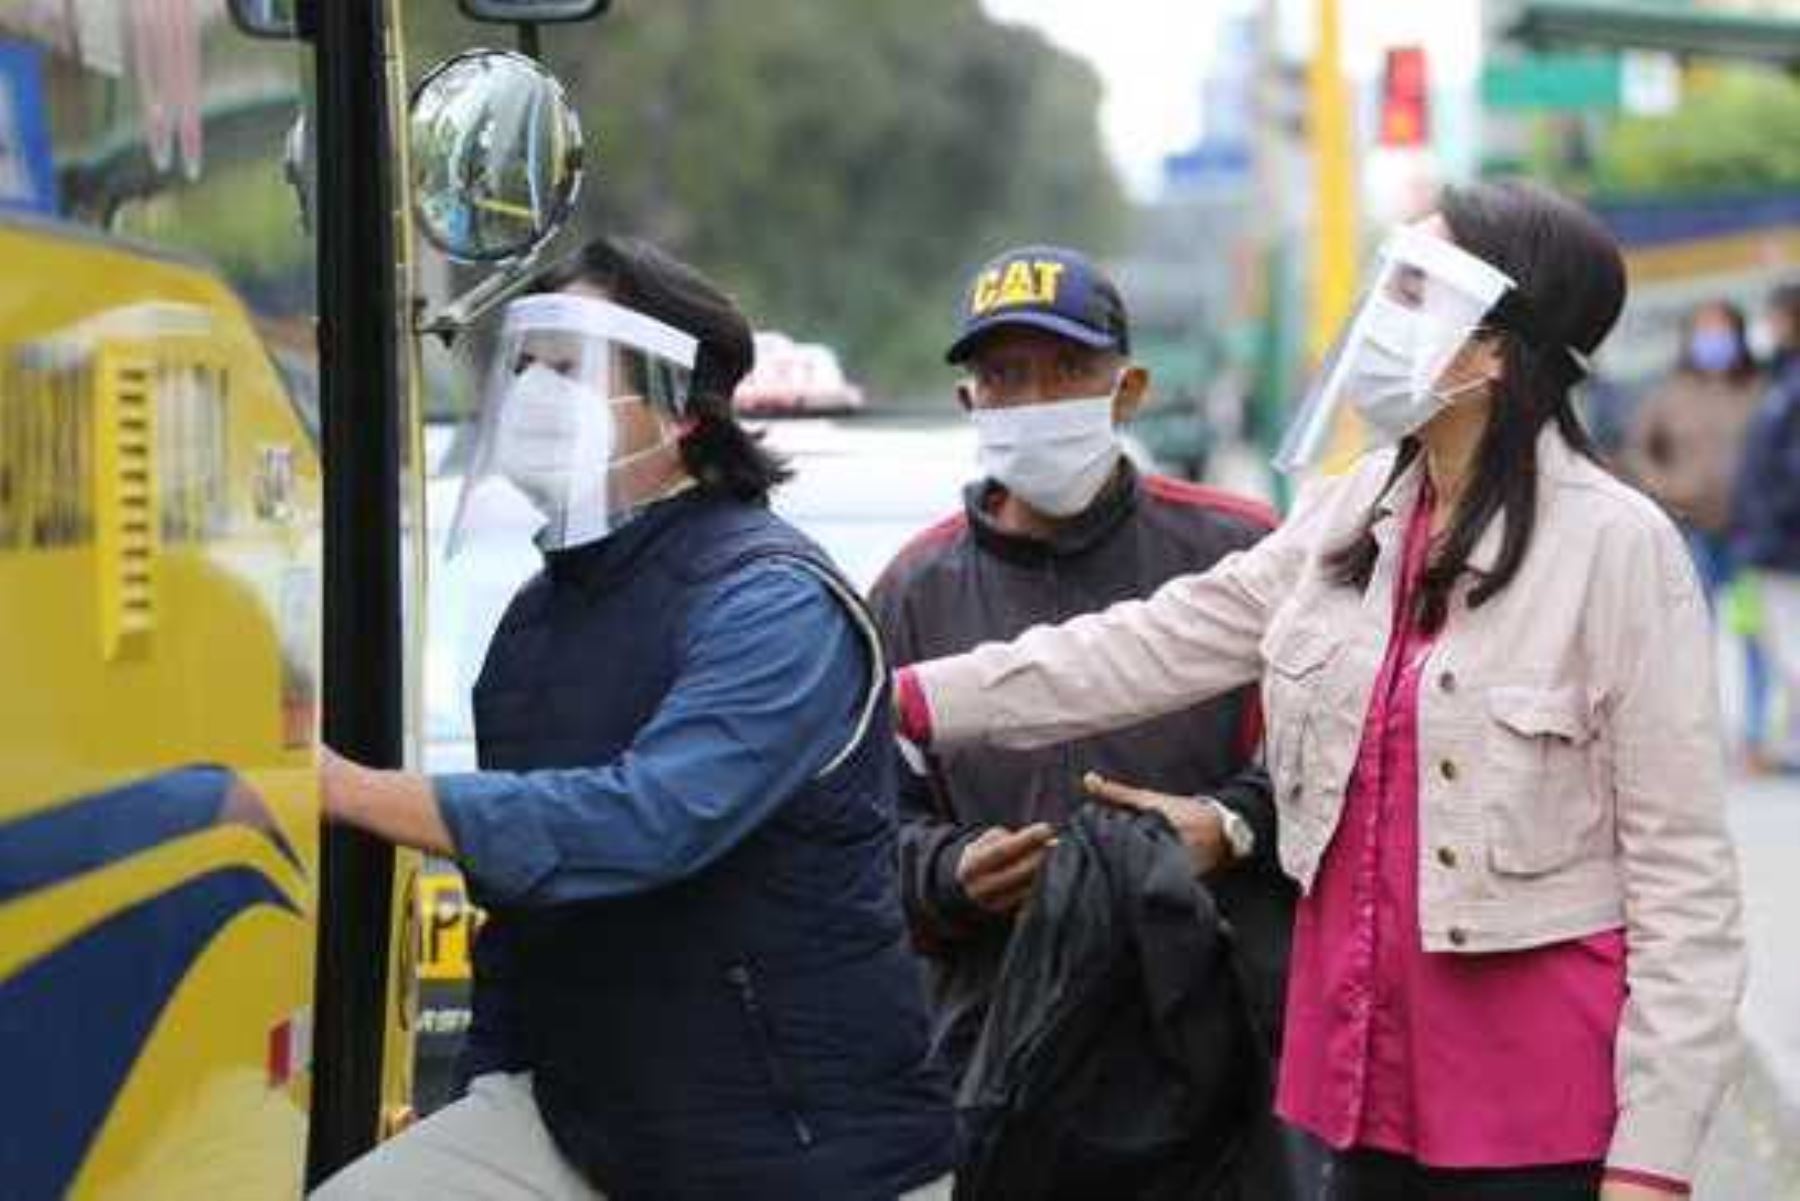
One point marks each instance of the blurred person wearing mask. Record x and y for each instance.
(1493, 733)
(1775, 338)
(1061, 523)
(1688, 434)
(1766, 515)
(694, 980)
(1684, 449)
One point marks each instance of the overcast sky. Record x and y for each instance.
(1152, 56)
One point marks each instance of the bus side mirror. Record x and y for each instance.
(280, 18)
(496, 156)
(533, 12)
(267, 18)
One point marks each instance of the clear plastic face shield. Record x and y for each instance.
(580, 392)
(1427, 301)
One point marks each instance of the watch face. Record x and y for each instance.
(1237, 832)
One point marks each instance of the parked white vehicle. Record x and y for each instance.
(795, 377)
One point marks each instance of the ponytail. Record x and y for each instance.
(725, 457)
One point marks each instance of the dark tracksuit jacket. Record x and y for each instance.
(1766, 504)
(965, 581)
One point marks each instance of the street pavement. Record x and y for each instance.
(1753, 1153)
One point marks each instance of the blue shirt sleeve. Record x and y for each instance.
(773, 680)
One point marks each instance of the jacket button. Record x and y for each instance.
(1446, 856)
(1458, 936)
(1448, 769)
(1447, 681)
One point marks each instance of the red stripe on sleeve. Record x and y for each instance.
(1250, 728)
(1217, 499)
(915, 711)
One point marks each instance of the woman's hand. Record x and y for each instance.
(1196, 821)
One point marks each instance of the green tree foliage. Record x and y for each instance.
(1739, 130)
(1736, 130)
(839, 166)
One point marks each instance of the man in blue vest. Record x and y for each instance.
(693, 982)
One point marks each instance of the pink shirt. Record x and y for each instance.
(1491, 1060)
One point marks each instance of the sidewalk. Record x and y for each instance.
(1765, 822)
(1754, 1151)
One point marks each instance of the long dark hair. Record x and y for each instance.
(1571, 286)
(1744, 367)
(718, 452)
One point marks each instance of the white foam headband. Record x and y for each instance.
(592, 317)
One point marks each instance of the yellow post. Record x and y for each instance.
(1334, 242)
(1334, 185)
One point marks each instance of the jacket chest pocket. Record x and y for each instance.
(1543, 807)
(1299, 662)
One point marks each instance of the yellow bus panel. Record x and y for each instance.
(159, 529)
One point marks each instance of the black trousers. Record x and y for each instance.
(1359, 1175)
(1278, 1163)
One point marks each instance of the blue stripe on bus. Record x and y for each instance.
(1653, 222)
(73, 1023)
(62, 842)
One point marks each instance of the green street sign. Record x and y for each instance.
(1554, 83)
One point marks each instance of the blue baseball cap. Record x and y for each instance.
(1043, 287)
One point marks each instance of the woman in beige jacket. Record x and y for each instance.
(1492, 727)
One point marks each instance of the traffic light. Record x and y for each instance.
(1405, 99)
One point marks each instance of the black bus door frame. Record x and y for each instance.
(360, 405)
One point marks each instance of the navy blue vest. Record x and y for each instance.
(757, 1030)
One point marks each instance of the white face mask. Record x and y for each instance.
(1383, 382)
(1762, 340)
(554, 443)
(1054, 456)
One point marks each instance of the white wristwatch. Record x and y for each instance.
(1238, 834)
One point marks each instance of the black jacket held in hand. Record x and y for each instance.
(1116, 1060)
(969, 581)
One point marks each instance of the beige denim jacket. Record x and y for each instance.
(1570, 761)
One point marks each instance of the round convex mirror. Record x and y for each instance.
(496, 155)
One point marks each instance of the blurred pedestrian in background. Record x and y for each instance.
(1606, 407)
(1766, 514)
(1684, 447)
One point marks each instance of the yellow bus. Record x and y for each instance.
(205, 220)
